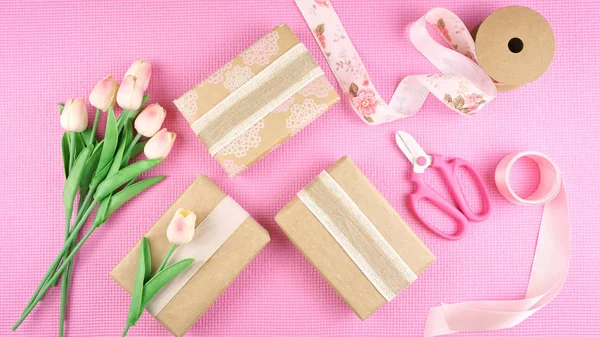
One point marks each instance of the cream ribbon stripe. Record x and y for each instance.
(209, 236)
(298, 53)
(357, 235)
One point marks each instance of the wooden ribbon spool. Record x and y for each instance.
(515, 46)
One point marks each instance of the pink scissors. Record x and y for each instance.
(421, 161)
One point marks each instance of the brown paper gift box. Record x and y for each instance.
(328, 257)
(283, 121)
(213, 278)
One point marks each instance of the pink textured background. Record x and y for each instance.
(51, 51)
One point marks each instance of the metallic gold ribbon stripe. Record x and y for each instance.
(209, 236)
(256, 98)
(357, 235)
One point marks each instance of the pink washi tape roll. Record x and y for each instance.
(550, 263)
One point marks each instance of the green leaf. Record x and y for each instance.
(147, 262)
(138, 148)
(86, 135)
(65, 152)
(120, 198)
(108, 150)
(163, 278)
(90, 168)
(119, 178)
(79, 144)
(133, 114)
(102, 213)
(61, 107)
(72, 182)
(116, 163)
(135, 308)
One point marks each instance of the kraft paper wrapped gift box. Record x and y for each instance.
(213, 277)
(354, 238)
(258, 100)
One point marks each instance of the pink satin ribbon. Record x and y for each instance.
(463, 86)
(550, 263)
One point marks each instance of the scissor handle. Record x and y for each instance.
(448, 170)
(425, 192)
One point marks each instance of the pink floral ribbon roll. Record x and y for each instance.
(462, 85)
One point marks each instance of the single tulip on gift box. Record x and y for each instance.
(226, 238)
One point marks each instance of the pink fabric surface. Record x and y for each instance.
(51, 51)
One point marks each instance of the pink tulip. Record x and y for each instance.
(160, 144)
(181, 228)
(142, 71)
(104, 94)
(74, 116)
(130, 94)
(149, 121)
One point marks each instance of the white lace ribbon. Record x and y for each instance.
(357, 235)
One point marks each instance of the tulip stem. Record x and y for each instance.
(56, 275)
(166, 259)
(46, 281)
(93, 133)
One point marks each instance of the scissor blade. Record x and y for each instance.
(409, 146)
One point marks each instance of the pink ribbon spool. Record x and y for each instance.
(550, 262)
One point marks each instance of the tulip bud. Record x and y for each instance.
(130, 94)
(182, 226)
(142, 71)
(74, 116)
(149, 121)
(104, 94)
(160, 144)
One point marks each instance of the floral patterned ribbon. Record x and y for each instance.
(462, 85)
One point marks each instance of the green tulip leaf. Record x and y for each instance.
(65, 152)
(108, 150)
(79, 144)
(137, 149)
(120, 198)
(74, 179)
(116, 163)
(161, 279)
(102, 213)
(90, 168)
(148, 262)
(86, 135)
(61, 107)
(130, 115)
(122, 176)
(135, 308)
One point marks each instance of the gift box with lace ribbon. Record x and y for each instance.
(258, 100)
(354, 238)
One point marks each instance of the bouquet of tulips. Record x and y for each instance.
(100, 171)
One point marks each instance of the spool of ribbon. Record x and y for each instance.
(550, 262)
(209, 236)
(514, 46)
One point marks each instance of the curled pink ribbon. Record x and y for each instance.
(463, 86)
(550, 263)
